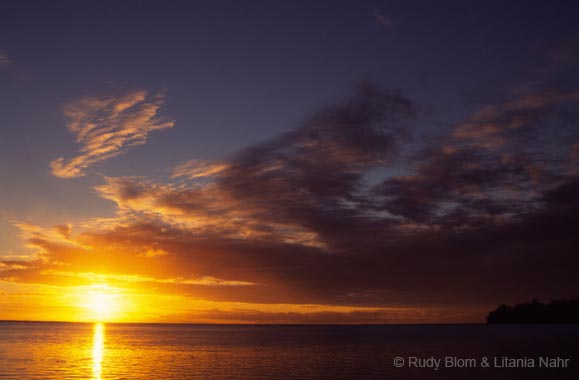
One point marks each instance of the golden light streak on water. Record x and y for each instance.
(98, 350)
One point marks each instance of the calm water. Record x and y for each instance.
(126, 351)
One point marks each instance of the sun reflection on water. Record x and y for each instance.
(98, 350)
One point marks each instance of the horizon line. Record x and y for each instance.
(241, 323)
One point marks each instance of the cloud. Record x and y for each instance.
(493, 166)
(496, 125)
(274, 190)
(363, 316)
(385, 22)
(106, 127)
(152, 252)
(198, 169)
(564, 53)
(5, 60)
(299, 220)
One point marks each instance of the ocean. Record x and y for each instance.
(60, 351)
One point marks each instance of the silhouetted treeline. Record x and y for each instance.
(558, 311)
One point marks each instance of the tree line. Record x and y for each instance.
(556, 311)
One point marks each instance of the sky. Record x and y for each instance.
(287, 162)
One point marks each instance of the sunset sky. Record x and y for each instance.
(287, 161)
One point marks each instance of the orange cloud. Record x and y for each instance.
(206, 209)
(198, 169)
(494, 126)
(106, 127)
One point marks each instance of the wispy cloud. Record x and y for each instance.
(198, 169)
(106, 127)
(4, 60)
(382, 20)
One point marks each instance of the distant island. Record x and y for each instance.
(557, 311)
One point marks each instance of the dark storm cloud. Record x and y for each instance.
(313, 176)
(493, 165)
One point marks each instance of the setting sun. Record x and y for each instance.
(102, 304)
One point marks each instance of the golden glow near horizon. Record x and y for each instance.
(98, 350)
(114, 302)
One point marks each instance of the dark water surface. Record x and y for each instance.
(30, 350)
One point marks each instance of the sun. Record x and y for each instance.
(101, 304)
